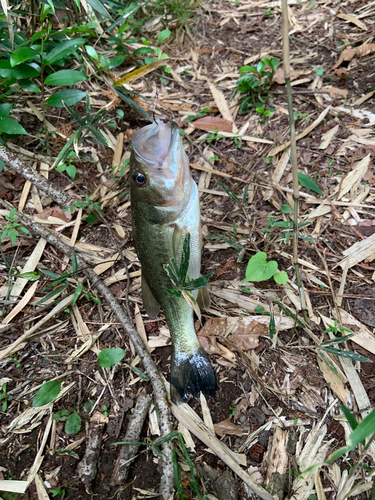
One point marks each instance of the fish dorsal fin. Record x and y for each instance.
(203, 298)
(150, 304)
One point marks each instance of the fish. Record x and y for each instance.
(165, 209)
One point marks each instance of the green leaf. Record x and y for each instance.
(20, 72)
(111, 356)
(9, 126)
(308, 183)
(336, 341)
(61, 415)
(200, 282)
(99, 7)
(5, 109)
(163, 35)
(258, 269)
(281, 278)
(64, 50)
(139, 373)
(65, 77)
(286, 209)
(347, 354)
(363, 430)
(74, 264)
(73, 423)
(349, 417)
(22, 54)
(77, 293)
(69, 96)
(47, 393)
(71, 453)
(54, 292)
(2, 165)
(185, 259)
(30, 86)
(30, 276)
(92, 52)
(229, 192)
(71, 171)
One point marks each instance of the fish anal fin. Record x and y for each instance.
(150, 304)
(203, 298)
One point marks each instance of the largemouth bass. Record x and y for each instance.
(165, 207)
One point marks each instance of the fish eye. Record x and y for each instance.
(140, 179)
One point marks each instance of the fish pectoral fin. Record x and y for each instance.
(203, 298)
(150, 304)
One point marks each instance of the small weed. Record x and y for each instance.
(71, 418)
(5, 397)
(60, 490)
(259, 269)
(336, 329)
(11, 230)
(233, 411)
(255, 84)
(105, 411)
(69, 168)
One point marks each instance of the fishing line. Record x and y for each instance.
(156, 100)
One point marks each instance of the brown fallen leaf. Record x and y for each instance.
(210, 123)
(226, 427)
(279, 78)
(348, 54)
(335, 93)
(55, 212)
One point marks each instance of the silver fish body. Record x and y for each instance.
(165, 207)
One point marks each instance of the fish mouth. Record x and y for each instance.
(157, 145)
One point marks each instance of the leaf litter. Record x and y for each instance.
(277, 407)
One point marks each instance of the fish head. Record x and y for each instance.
(160, 179)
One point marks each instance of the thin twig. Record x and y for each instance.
(293, 155)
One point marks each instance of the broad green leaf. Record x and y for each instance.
(258, 269)
(308, 183)
(73, 423)
(259, 309)
(22, 54)
(71, 171)
(92, 52)
(143, 51)
(286, 209)
(20, 72)
(281, 278)
(64, 50)
(9, 126)
(47, 393)
(363, 430)
(109, 357)
(30, 86)
(69, 96)
(99, 7)
(5, 109)
(61, 415)
(163, 35)
(65, 77)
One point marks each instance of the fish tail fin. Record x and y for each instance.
(191, 374)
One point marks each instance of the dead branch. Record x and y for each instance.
(167, 479)
(128, 452)
(88, 466)
(59, 196)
